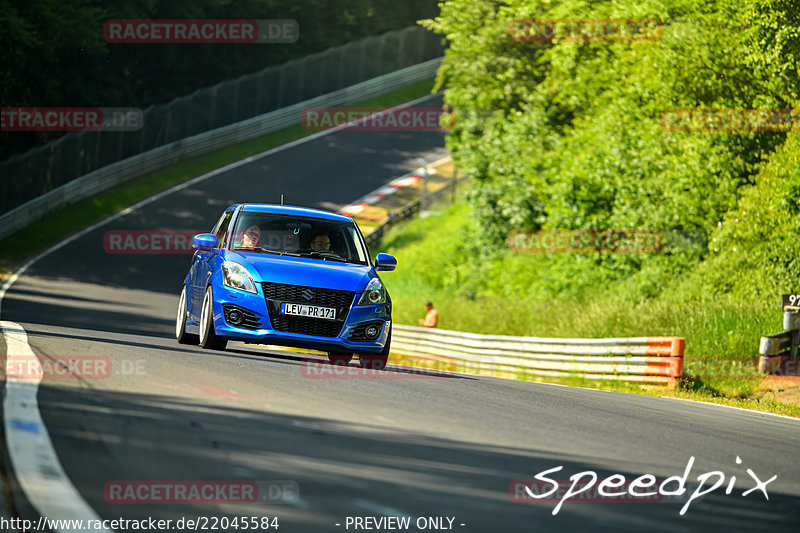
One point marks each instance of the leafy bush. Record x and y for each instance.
(571, 135)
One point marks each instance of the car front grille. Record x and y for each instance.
(276, 293)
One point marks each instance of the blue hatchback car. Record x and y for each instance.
(290, 276)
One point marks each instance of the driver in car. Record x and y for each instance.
(320, 243)
(249, 238)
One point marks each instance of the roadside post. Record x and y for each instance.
(423, 200)
(779, 353)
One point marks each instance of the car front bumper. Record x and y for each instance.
(358, 315)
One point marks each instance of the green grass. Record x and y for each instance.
(512, 296)
(686, 389)
(60, 223)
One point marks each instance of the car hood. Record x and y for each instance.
(305, 271)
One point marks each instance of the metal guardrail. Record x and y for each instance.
(638, 359)
(44, 168)
(779, 353)
(164, 156)
(410, 210)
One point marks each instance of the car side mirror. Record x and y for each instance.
(385, 262)
(204, 241)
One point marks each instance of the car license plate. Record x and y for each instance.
(312, 311)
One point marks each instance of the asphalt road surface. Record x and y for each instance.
(445, 452)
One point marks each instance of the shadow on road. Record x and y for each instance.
(350, 469)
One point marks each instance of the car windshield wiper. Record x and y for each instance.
(326, 256)
(265, 250)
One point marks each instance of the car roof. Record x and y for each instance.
(292, 210)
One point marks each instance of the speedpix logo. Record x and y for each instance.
(645, 486)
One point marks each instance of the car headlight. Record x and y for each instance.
(236, 276)
(374, 293)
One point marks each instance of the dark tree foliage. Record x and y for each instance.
(53, 52)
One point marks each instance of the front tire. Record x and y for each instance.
(377, 362)
(340, 358)
(208, 336)
(373, 362)
(180, 322)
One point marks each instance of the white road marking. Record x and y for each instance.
(751, 411)
(38, 470)
(401, 182)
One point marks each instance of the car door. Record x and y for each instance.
(202, 264)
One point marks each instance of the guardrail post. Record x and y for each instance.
(79, 158)
(213, 106)
(97, 150)
(779, 352)
(301, 81)
(235, 106)
(791, 322)
(361, 65)
(119, 144)
(423, 199)
(400, 49)
(281, 81)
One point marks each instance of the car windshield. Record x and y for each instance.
(326, 240)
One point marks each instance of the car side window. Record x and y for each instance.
(221, 229)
